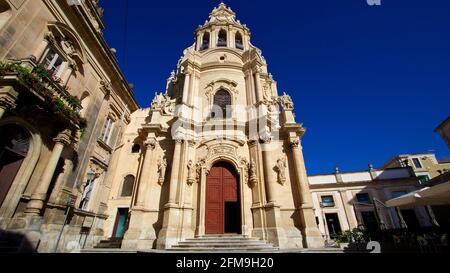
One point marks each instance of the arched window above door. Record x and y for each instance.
(222, 102)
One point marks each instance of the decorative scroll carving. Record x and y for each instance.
(200, 164)
(223, 150)
(244, 163)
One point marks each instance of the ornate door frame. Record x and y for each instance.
(217, 153)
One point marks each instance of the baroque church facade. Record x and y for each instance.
(219, 152)
(217, 155)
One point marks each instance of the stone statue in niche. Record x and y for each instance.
(252, 173)
(281, 170)
(192, 173)
(162, 167)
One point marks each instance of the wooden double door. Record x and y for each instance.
(223, 208)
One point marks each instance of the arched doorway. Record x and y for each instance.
(223, 207)
(14, 146)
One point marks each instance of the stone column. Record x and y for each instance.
(312, 236)
(348, 210)
(186, 87)
(175, 173)
(259, 93)
(150, 145)
(8, 97)
(40, 193)
(252, 87)
(268, 174)
(169, 234)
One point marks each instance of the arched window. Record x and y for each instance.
(205, 41)
(128, 186)
(136, 149)
(222, 41)
(222, 101)
(239, 41)
(85, 101)
(5, 13)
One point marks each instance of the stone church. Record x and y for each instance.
(218, 153)
(216, 160)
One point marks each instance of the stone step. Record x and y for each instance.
(109, 244)
(243, 246)
(223, 241)
(106, 250)
(222, 249)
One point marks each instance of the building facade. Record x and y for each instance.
(425, 166)
(64, 105)
(218, 152)
(348, 200)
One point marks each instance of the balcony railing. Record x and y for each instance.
(35, 79)
(222, 43)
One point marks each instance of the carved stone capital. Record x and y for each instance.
(49, 37)
(294, 143)
(7, 103)
(150, 144)
(192, 143)
(266, 139)
(252, 143)
(106, 87)
(64, 138)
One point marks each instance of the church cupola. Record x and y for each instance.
(222, 30)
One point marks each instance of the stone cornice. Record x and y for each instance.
(98, 42)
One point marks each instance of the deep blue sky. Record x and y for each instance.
(368, 82)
